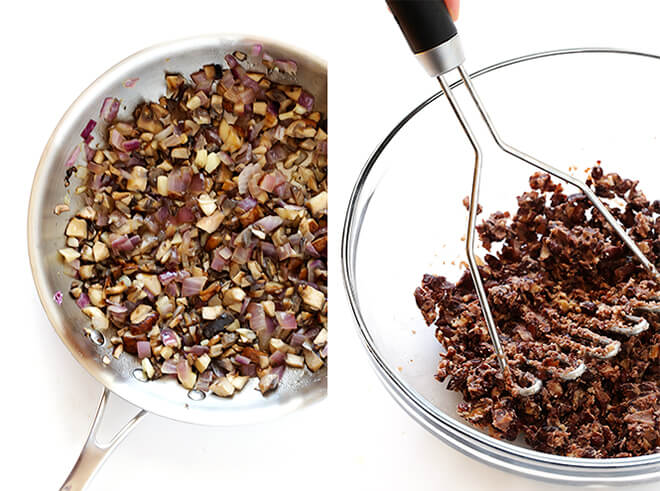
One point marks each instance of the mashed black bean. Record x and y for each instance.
(560, 268)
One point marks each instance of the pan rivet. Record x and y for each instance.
(139, 374)
(96, 337)
(196, 395)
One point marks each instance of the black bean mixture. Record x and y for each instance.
(559, 275)
(202, 243)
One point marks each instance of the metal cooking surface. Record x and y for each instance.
(45, 234)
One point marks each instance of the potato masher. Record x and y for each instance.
(432, 36)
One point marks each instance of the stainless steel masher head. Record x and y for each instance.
(433, 38)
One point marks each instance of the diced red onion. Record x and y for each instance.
(131, 145)
(192, 286)
(279, 371)
(242, 360)
(162, 214)
(295, 239)
(310, 250)
(270, 181)
(244, 177)
(204, 380)
(183, 369)
(312, 268)
(283, 191)
(276, 154)
(143, 349)
(182, 275)
(109, 109)
(241, 255)
(82, 301)
(277, 358)
(225, 252)
(167, 277)
(201, 81)
(198, 183)
(218, 263)
(118, 313)
(88, 129)
(248, 370)
(168, 337)
(89, 153)
(247, 96)
(73, 157)
(227, 80)
(172, 290)
(184, 215)
(247, 204)
(289, 67)
(122, 243)
(131, 82)
(268, 223)
(257, 316)
(268, 249)
(286, 320)
(168, 367)
(306, 100)
(179, 180)
(256, 49)
(297, 339)
(197, 350)
(116, 139)
(171, 140)
(95, 168)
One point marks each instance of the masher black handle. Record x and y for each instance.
(426, 24)
(430, 32)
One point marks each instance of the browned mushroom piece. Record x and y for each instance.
(204, 231)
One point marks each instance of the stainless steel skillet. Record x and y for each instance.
(121, 377)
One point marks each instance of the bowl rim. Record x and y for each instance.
(456, 433)
(138, 398)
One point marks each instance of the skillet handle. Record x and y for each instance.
(94, 453)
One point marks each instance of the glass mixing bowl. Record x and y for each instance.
(405, 218)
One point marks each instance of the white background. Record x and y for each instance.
(358, 437)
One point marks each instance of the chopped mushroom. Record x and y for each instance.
(223, 387)
(100, 251)
(312, 297)
(99, 320)
(201, 242)
(77, 228)
(69, 254)
(211, 223)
